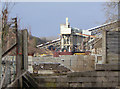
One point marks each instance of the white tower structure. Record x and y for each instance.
(69, 38)
(65, 31)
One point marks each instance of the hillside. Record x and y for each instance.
(9, 39)
(32, 42)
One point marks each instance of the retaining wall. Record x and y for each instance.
(75, 63)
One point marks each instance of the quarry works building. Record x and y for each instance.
(71, 39)
(77, 41)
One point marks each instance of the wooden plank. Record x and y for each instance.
(10, 49)
(15, 81)
(116, 41)
(113, 32)
(112, 39)
(115, 52)
(107, 66)
(30, 79)
(113, 46)
(19, 59)
(119, 37)
(0, 49)
(94, 74)
(25, 49)
(113, 58)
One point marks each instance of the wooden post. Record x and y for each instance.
(0, 49)
(19, 59)
(18, 53)
(118, 42)
(119, 35)
(22, 57)
(104, 49)
(25, 49)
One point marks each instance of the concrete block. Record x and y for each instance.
(45, 80)
(113, 73)
(107, 79)
(62, 84)
(101, 79)
(112, 84)
(92, 85)
(75, 84)
(83, 74)
(62, 79)
(82, 79)
(107, 73)
(113, 79)
(107, 67)
(52, 85)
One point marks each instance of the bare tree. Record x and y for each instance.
(6, 9)
(111, 10)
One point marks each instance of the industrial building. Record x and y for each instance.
(71, 39)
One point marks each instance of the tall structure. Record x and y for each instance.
(30, 31)
(70, 41)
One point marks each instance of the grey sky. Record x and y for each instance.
(45, 18)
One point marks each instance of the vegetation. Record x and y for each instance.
(111, 10)
(9, 36)
(33, 42)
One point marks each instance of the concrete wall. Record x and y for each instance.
(73, 62)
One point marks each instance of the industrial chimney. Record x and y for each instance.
(67, 24)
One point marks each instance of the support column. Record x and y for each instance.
(104, 49)
(62, 41)
(69, 44)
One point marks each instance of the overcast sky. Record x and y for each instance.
(45, 18)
